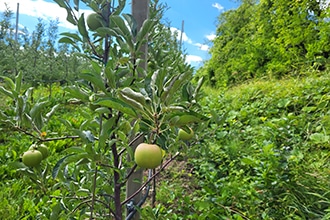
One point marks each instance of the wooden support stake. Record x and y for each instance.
(140, 11)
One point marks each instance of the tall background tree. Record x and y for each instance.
(268, 39)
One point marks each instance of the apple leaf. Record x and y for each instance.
(119, 25)
(71, 158)
(185, 118)
(106, 130)
(6, 92)
(141, 36)
(82, 27)
(73, 36)
(78, 93)
(118, 105)
(96, 79)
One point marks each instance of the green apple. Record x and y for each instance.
(42, 148)
(94, 21)
(148, 156)
(32, 158)
(185, 136)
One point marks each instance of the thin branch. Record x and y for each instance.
(154, 190)
(69, 197)
(43, 139)
(58, 138)
(90, 200)
(129, 174)
(26, 132)
(149, 180)
(130, 143)
(93, 193)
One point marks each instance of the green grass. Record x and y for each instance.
(265, 155)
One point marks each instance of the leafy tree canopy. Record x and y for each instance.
(269, 39)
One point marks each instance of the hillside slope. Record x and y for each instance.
(267, 157)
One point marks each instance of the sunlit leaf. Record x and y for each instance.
(118, 105)
(78, 93)
(82, 27)
(106, 131)
(94, 78)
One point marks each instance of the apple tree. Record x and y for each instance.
(124, 103)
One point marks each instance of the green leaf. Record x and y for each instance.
(120, 7)
(71, 158)
(95, 79)
(18, 82)
(6, 92)
(9, 83)
(131, 23)
(37, 108)
(111, 77)
(168, 86)
(73, 36)
(70, 15)
(106, 131)
(248, 161)
(58, 165)
(198, 87)
(86, 136)
(135, 104)
(141, 37)
(118, 105)
(137, 96)
(118, 24)
(78, 93)
(75, 150)
(104, 31)
(186, 118)
(55, 212)
(51, 112)
(173, 86)
(157, 81)
(319, 138)
(66, 40)
(82, 27)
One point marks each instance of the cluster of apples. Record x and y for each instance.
(149, 156)
(35, 154)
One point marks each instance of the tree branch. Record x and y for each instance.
(149, 180)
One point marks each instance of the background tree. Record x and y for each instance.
(270, 39)
(37, 53)
(7, 44)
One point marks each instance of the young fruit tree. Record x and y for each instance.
(132, 112)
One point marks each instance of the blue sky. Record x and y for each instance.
(199, 16)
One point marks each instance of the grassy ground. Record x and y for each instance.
(265, 156)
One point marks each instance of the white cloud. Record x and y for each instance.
(41, 9)
(178, 32)
(211, 36)
(218, 6)
(203, 47)
(193, 59)
(185, 38)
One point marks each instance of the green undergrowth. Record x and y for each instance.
(266, 156)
